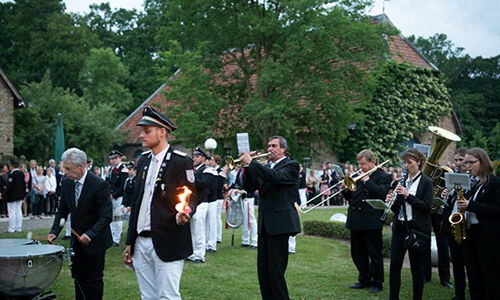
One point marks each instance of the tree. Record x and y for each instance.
(88, 128)
(406, 100)
(103, 77)
(48, 41)
(475, 86)
(287, 67)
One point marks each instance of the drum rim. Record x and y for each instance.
(31, 255)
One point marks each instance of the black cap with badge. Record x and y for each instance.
(130, 165)
(198, 151)
(152, 117)
(115, 154)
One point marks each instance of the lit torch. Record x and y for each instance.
(183, 206)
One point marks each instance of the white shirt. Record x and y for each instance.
(50, 183)
(149, 188)
(412, 190)
(272, 164)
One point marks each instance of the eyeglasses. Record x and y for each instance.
(470, 162)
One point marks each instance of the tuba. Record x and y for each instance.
(440, 141)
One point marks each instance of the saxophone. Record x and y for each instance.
(457, 220)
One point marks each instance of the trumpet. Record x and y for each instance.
(231, 163)
(349, 183)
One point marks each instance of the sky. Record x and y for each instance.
(471, 24)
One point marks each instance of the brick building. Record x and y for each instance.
(401, 50)
(10, 99)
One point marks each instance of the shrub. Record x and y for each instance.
(337, 230)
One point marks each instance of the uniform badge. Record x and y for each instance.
(190, 176)
(164, 165)
(168, 155)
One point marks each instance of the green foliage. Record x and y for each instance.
(337, 230)
(405, 100)
(102, 79)
(287, 67)
(89, 128)
(475, 90)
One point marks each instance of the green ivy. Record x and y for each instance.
(405, 101)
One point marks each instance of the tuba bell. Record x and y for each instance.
(440, 141)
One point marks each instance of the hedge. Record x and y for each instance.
(337, 230)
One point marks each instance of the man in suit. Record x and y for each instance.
(364, 223)
(278, 219)
(116, 179)
(15, 190)
(158, 240)
(86, 197)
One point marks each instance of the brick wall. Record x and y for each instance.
(6, 120)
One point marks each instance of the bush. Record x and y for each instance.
(337, 230)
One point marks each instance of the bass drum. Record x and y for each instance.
(25, 270)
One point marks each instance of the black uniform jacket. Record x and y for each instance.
(360, 215)
(421, 205)
(278, 192)
(487, 207)
(91, 216)
(15, 188)
(116, 181)
(171, 241)
(206, 184)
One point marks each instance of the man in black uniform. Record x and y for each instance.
(15, 190)
(129, 186)
(456, 249)
(364, 223)
(278, 219)
(116, 179)
(206, 188)
(158, 239)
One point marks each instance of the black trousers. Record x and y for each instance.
(443, 251)
(366, 253)
(483, 264)
(398, 252)
(272, 260)
(458, 261)
(87, 271)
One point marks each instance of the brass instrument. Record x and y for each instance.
(388, 215)
(231, 163)
(457, 220)
(442, 138)
(348, 181)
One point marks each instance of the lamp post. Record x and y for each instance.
(210, 145)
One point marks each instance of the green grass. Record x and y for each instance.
(321, 269)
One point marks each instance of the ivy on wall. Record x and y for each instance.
(405, 100)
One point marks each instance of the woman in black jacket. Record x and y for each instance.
(412, 210)
(482, 205)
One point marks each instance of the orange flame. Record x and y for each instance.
(183, 206)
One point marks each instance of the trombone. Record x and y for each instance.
(349, 183)
(231, 162)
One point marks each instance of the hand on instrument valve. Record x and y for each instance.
(246, 158)
(365, 179)
(462, 203)
(401, 190)
(444, 193)
(389, 196)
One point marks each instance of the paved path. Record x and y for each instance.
(29, 224)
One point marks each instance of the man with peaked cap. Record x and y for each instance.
(205, 185)
(129, 185)
(117, 175)
(158, 239)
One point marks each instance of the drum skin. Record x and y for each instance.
(25, 270)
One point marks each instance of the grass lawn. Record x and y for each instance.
(321, 269)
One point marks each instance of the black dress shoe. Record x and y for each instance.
(375, 289)
(447, 284)
(358, 285)
(244, 245)
(211, 251)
